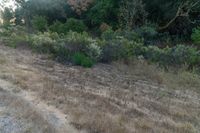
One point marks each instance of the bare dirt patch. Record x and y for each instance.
(108, 98)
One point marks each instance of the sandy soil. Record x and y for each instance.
(103, 99)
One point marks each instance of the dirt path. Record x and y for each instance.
(52, 97)
(21, 112)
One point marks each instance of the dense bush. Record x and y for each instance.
(75, 25)
(43, 42)
(176, 56)
(118, 48)
(71, 25)
(181, 55)
(82, 60)
(148, 33)
(39, 23)
(65, 47)
(109, 34)
(13, 35)
(57, 27)
(196, 36)
(82, 49)
(126, 34)
(104, 11)
(82, 42)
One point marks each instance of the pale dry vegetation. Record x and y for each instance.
(115, 98)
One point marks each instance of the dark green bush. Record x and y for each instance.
(58, 27)
(148, 33)
(39, 23)
(196, 36)
(108, 34)
(75, 25)
(118, 48)
(126, 34)
(82, 60)
(82, 42)
(72, 24)
(181, 55)
(176, 56)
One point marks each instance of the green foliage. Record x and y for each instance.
(13, 35)
(43, 42)
(196, 36)
(147, 32)
(181, 55)
(71, 25)
(108, 34)
(7, 15)
(104, 11)
(175, 56)
(117, 48)
(82, 42)
(39, 23)
(75, 25)
(130, 35)
(16, 39)
(124, 44)
(58, 27)
(132, 14)
(84, 50)
(82, 60)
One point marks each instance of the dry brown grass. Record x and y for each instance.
(117, 98)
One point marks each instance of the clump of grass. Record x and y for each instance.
(82, 60)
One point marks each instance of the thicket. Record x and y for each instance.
(84, 33)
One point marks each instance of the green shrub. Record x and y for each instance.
(82, 42)
(13, 35)
(176, 56)
(58, 27)
(196, 36)
(118, 48)
(16, 39)
(148, 33)
(39, 23)
(82, 60)
(75, 25)
(181, 55)
(43, 42)
(129, 35)
(71, 25)
(108, 34)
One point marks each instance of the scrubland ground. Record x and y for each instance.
(115, 98)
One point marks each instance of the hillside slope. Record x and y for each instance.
(112, 98)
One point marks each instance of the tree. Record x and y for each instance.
(174, 16)
(104, 11)
(7, 15)
(183, 10)
(59, 10)
(80, 6)
(132, 14)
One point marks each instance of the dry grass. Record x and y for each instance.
(116, 98)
